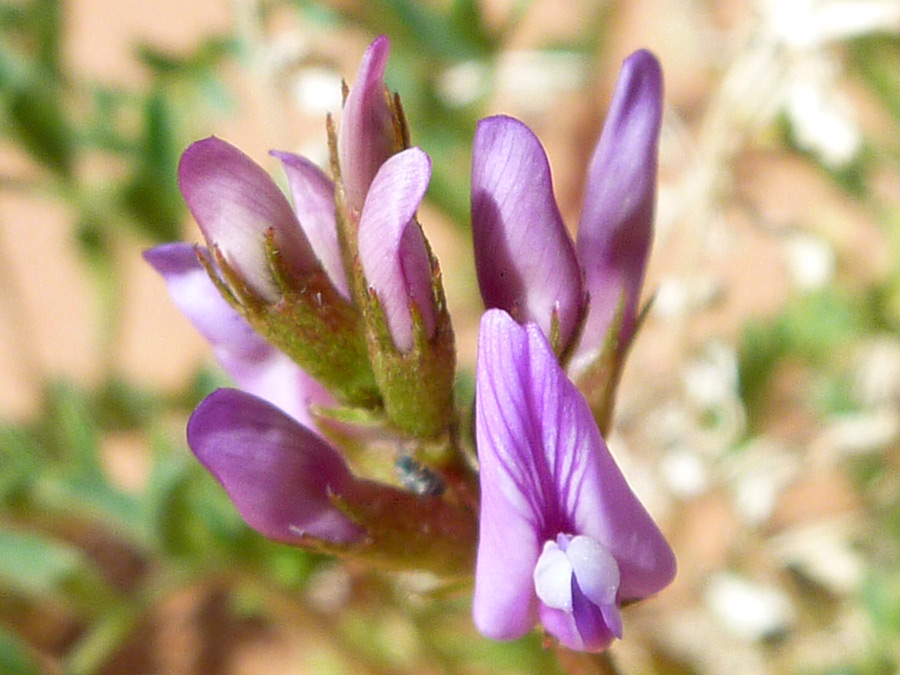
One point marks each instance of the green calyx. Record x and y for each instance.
(311, 323)
(600, 380)
(416, 385)
(403, 531)
(409, 531)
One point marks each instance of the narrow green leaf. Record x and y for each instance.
(19, 460)
(205, 57)
(98, 644)
(31, 564)
(466, 17)
(152, 195)
(15, 656)
(37, 119)
(48, 36)
(37, 566)
(123, 405)
(71, 429)
(430, 33)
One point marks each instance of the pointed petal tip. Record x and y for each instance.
(292, 159)
(284, 156)
(366, 132)
(312, 194)
(370, 74)
(171, 258)
(373, 62)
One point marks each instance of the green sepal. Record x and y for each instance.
(311, 322)
(398, 116)
(364, 418)
(600, 379)
(408, 531)
(416, 385)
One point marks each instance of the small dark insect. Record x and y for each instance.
(417, 478)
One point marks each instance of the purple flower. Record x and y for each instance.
(392, 249)
(255, 365)
(366, 137)
(236, 204)
(280, 476)
(282, 266)
(525, 258)
(291, 486)
(563, 539)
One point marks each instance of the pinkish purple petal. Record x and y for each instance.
(256, 366)
(199, 300)
(235, 203)
(511, 524)
(313, 195)
(366, 134)
(391, 247)
(278, 380)
(546, 471)
(584, 629)
(524, 256)
(278, 474)
(616, 227)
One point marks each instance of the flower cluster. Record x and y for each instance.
(585, 295)
(329, 314)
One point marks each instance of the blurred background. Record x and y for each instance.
(758, 418)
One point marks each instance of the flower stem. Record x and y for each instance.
(460, 476)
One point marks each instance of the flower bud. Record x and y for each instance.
(392, 250)
(255, 365)
(236, 204)
(291, 486)
(523, 253)
(409, 333)
(367, 136)
(616, 227)
(262, 262)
